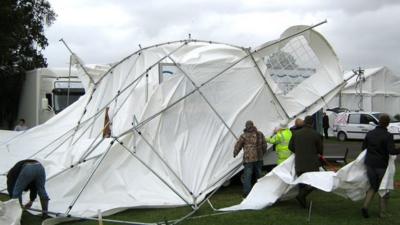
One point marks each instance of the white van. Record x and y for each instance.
(355, 125)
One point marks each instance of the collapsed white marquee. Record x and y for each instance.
(175, 111)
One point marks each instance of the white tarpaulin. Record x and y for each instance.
(350, 182)
(175, 111)
(10, 212)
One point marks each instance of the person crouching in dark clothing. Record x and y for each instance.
(254, 146)
(29, 175)
(379, 144)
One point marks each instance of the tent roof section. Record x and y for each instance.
(367, 73)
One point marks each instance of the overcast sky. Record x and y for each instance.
(363, 32)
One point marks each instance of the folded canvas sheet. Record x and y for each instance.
(10, 212)
(350, 182)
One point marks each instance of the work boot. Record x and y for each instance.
(364, 212)
(368, 198)
(45, 207)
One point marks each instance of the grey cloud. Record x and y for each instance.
(352, 7)
(369, 39)
(362, 32)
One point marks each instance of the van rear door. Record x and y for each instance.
(354, 128)
(365, 122)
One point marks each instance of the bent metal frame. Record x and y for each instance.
(135, 129)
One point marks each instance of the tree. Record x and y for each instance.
(22, 40)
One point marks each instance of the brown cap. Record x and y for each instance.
(249, 124)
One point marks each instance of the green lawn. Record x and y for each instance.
(328, 209)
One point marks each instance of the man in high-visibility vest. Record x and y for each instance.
(281, 141)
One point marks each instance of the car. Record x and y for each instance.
(355, 125)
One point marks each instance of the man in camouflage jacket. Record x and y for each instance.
(254, 146)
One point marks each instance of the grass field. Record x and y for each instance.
(328, 209)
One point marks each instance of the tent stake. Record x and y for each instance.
(309, 212)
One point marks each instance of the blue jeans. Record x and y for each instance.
(31, 173)
(249, 168)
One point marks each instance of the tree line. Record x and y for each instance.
(22, 41)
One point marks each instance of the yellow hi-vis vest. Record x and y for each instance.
(281, 142)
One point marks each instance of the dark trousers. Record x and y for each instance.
(326, 133)
(249, 169)
(31, 173)
(375, 176)
(304, 189)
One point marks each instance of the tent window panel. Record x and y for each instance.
(292, 64)
(166, 71)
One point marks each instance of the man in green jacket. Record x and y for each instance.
(281, 141)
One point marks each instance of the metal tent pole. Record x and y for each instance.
(229, 173)
(82, 66)
(58, 138)
(139, 52)
(134, 82)
(88, 151)
(89, 178)
(71, 167)
(69, 79)
(61, 215)
(205, 99)
(82, 115)
(152, 171)
(341, 85)
(57, 147)
(183, 97)
(76, 128)
(197, 208)
(223, 71)
(268, 86)
(290, 36)
(164, 162)
(52, 142)
(162, 44)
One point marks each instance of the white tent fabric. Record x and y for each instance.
(10, 212)
(176, 110)
(6, 136)
(350, 182)
(380, 91)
